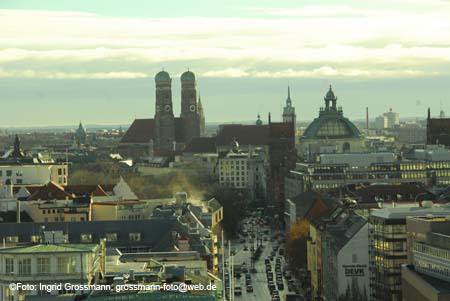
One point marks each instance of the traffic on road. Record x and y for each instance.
(259, 269)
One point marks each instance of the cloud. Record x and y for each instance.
(29, 73)
(317, 41)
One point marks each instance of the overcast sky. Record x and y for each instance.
(94, 61)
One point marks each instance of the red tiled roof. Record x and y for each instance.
(408, 192)
(143, 130)
(50, 191)
(282, 130)
(140, 131)
(243, 134)
(201, 145)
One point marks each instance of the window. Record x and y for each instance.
(35, 238)
(59, 171)
(19, 181)
(12, 239)
(43, 265)
(66, 265)
(135, 236)
(9, 173)
(86, 237)
(25, 266)
(354, 258)
(111, 236)
(9, 265)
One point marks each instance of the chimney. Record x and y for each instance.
(18, 211)
(367, 119)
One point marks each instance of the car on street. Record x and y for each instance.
(237, 290)
(280, 285)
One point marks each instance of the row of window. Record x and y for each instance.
(131, 217)
(442, 271)
(61, 171)
(232, 173)
(64, 265)
(85, 237)
(223, 168)
(429, 250)
(234, 162)
(8, 173)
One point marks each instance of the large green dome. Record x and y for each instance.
(331, 126)
(331, 123)
(188, 76)
(162, 76)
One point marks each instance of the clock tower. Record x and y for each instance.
(190, 108)
(164, 119)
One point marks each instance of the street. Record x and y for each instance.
(259, 280)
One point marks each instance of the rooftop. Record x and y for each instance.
(48, 248)
(403, 212)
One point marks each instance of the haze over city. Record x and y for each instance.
(95, 61)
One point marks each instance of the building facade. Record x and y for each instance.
(18, 168)
(339, 170)
(427, 275)
(244, 170)
(438, 130)
(388, 247)
(345, 260)
(393, 118)
(48, 263)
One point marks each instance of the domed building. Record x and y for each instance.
(331, 132)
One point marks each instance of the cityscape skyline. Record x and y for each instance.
(83, 58)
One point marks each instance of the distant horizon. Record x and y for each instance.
(212, 123)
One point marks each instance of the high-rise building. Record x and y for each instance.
(393, 118)
(381, 122)
(388, 247)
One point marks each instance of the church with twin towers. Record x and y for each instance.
(166, 133)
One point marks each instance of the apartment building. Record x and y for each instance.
(427, 274)
(388, 247)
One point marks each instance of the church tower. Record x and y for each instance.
(190, 109)
(164, 119)
(289, 110)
